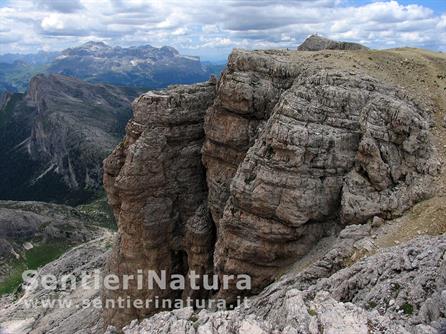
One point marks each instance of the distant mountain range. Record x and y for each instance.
(55, 136)
(38, 58)
(56, 127)
(144, 66)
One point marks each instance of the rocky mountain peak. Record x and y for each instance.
(318, 43)
(168, 50)
(89, 48)
(95, 45)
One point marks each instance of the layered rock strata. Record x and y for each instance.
(336, 146)
(156, 185)
(291, 147)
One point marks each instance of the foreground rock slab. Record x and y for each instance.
(399, 290)
(73, 310)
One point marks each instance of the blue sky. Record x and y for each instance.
(211, 29)
(439, 6)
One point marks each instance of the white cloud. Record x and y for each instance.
(205, 27)
(219, 42)
(180, 32)
(442, 23)
(52, 22)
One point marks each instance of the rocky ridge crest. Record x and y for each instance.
(318, 43)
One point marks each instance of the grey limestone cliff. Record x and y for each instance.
(246, 176)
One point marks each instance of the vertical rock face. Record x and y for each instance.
(4, 99)
(55, 137)
(76, 123)
(335, 145)
(155, 182)
(291, 147)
